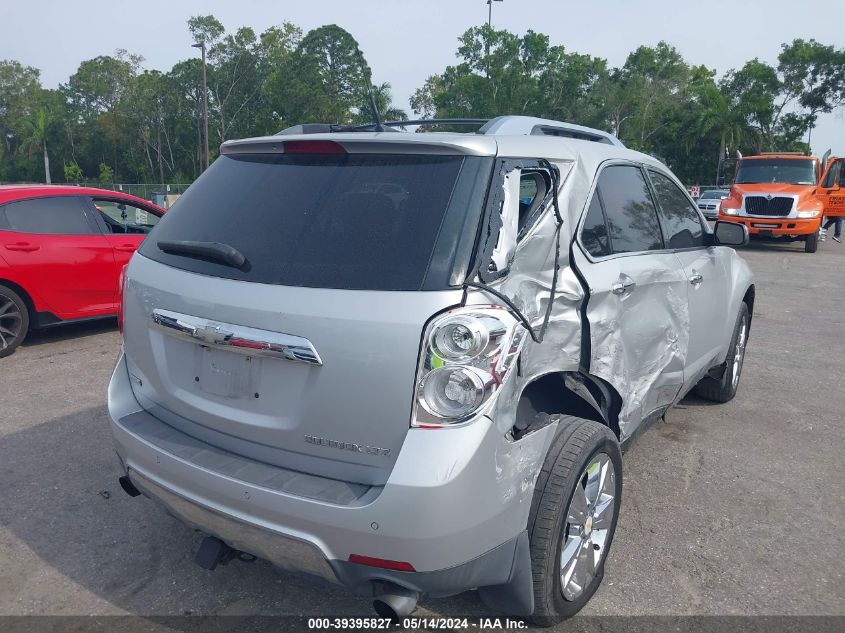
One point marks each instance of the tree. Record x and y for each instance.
(72, 172)
(18, 84)
(383, 97)
(816, 73)
(205, 29)
(235, 81)
(328, 76)
(654, 81)
(106, 174)
(502, 73)
(36, 129)
(95, 102)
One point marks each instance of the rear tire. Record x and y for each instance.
(573, 518)
(724, 389)
(811, 244)
(14, 320)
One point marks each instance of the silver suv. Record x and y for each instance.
(406, 362)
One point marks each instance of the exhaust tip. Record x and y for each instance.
(396, 603)
(128, 487)
(384, 610)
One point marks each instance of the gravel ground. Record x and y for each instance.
(729, 509)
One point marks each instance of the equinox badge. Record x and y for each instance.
(347, 446)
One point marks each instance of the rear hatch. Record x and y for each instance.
(302, 350)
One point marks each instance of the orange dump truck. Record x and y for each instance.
(774, 195)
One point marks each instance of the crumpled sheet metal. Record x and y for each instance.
(631, 368)
(634, 366)
(528, 285)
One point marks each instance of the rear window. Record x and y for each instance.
(353, 221)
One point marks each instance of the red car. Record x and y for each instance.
(61, 253)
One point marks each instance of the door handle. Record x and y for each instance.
(26, 247)
(126, 248)
(696, 279)
(623, 286)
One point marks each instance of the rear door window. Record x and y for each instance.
(594, 231)
(681, 222)
(356, 221)
(60, 215)
(630, 212)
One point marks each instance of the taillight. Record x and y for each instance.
(467, 354)
(121, 282)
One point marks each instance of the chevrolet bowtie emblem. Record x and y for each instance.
(211, 334)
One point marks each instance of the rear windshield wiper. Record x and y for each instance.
(214, 251)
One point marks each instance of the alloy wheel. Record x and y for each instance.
(739, 352)
(589, 520)
(11, 321)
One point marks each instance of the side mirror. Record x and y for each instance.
(730, 233)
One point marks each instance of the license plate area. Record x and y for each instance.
(226, 374)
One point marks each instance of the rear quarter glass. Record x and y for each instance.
(350, 221)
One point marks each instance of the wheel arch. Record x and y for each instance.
(748, 299)
(567, 392)
(27, 299)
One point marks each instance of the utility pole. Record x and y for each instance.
(490, 12)
(489, 30)
(201, 46)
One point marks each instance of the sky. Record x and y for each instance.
(405, 41)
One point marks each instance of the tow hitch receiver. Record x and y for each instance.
(214, 552)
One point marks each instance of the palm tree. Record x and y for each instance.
(384, 102)
(718, 115)
(36, 129)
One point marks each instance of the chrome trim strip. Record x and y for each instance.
(235, 338)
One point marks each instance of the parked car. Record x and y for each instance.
(61, 252)
(425, 393)
(709, 202)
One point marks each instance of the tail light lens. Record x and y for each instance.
(313, 147)
(121, 283)
(467, 354)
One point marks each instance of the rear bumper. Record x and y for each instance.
(494, 568)
(775, 227)
(447, 508)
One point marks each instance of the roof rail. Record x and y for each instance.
(503, 125)
(533, 126)
(322, 128)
